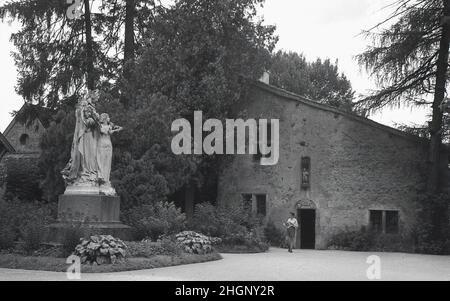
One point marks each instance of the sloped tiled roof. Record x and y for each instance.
(294, 97)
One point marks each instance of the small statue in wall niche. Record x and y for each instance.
(305, 172)
(305, 177)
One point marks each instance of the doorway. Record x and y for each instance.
(307, 220)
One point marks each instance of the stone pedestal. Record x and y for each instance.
(92, 213)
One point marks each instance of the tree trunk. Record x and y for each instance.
(129, 30)
(89, 50)
(439, 95)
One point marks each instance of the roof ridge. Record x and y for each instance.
(292, 96)
(5, 142)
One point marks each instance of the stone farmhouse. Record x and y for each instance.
(336, 170)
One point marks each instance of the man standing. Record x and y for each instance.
(291, 228)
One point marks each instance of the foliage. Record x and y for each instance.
(55, 147)
(56, 54)
(367, 240)
(233, 224)
(319, 80)
(252, 240)
(195, 243)
(154, 220)
(182, 65)
(409, 59)
(147, 248)
(33, 235)
(361, 240)
(274, 236)
(23, 221)
(101, 249)
(200, 53)
(22, 179)
(7, 237)
(71, 238)
(432, 229)
(223, 220)
(403, 57)
(145, 170)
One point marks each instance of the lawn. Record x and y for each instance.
(14, 261)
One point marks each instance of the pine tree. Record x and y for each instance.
(410, 62)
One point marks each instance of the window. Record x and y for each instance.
(259, 155)
(247, 201)
(261, 204)
(384, 221)
(391, 222)
(376, 220)
(305, 172)
(255, 203)
(24, 139)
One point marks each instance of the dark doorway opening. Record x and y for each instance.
(307, 220)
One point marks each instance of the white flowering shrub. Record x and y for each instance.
(101, 249)
(196, 243)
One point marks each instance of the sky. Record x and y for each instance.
(318, 29)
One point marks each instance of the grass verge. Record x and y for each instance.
(13, 261)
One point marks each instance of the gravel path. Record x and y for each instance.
(277, 264)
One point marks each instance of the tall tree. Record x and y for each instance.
(89, 46)
(319, 80)
(201, 53)
(58, 56)
(198, 55)
(129, 46)
(410, 60)
(439, 94)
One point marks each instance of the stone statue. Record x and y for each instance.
(89, 198)
(104, 153)
(89, 166)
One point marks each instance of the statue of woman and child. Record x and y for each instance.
(88, 170)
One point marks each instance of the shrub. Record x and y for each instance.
(432, 231)
(392, 243)
(364, 240)
(170, 246)
(22, 179)
(33, 235)
(154, 220)
(195, 243)
(144, 248)
(23, 221)
(274, 236)
(361, 240)
(235, 225)
(71, 238)
(7, 237)
(101, 249)
(223, 221)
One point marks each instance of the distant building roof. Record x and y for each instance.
(5, 146)
(28, 113)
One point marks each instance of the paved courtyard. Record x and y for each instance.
(277, 264)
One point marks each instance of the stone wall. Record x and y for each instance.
(356, 165)
(15, 135)
(2, 178)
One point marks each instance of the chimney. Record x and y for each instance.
(265, 78)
